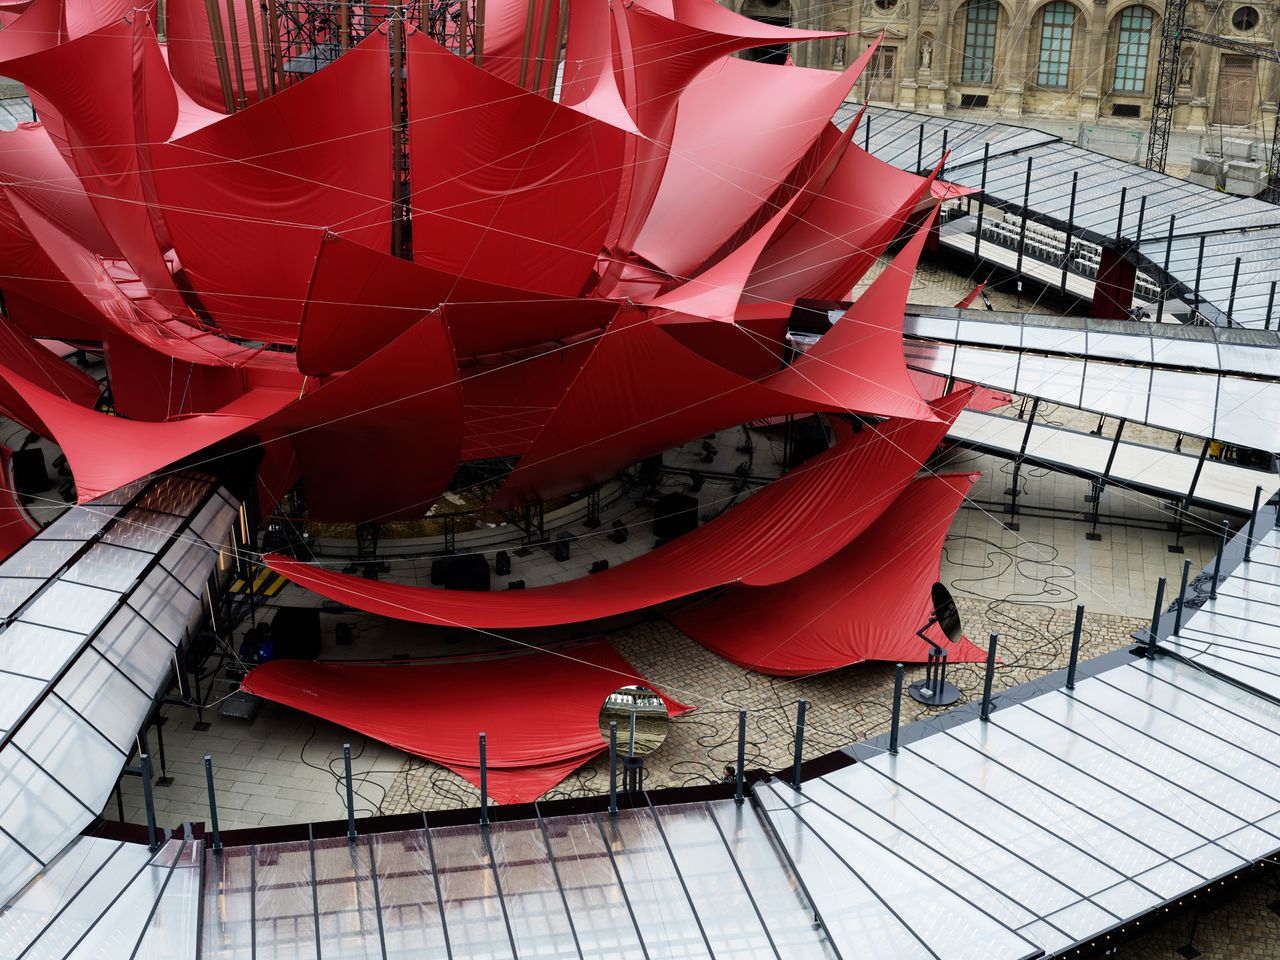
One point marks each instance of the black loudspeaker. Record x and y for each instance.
(560, 548)
(502, 563)
(295, 633)
(515, 585)
(600, 566)
(29, 473)
(468, 571)
(674, 515)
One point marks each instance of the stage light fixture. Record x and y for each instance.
(934, 690)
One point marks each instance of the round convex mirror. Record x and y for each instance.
(944, 608)
(641, 716)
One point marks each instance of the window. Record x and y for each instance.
(1245, 19)
(1132, 50)
(1055, 44)
(979, 41)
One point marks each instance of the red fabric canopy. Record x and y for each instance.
(617, 412)
(864, 603)
(742, 127)
(539, 712)
(861, 208)
(243, 197)
(786, 528)
(525, 190)
(360, 299)
(16, 525)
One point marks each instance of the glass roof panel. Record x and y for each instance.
(36, 651)
(79, 523)
(128, 641)
(53, 892)
(70, 751)
(411, 918)
(113, 568)
(15, 591)
(143, 530)
(39, 558)
(175, 495)
(165, 602)
(96, 690)
(70, 606)
(35, 808)
(190, 560)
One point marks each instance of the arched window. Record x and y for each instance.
(1132, 49)
(1058, 19)
(979, 41)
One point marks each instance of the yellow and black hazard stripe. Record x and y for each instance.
(266, 583)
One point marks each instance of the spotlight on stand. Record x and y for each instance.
(934, 689)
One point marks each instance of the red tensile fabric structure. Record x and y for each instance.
(864, 603)
(776, 534)
(539, 711)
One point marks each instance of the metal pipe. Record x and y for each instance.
(213, 804)
(1248, 540)
(991, 672)
(1217, 563)
(351, 798)
(982, 200)
(1124, 193)
(255, 49)
(464, 27)
(740, 778)
(1271, 302)
(1022, 229)
(1152, 634)
(613, 768)
(1071, 223)
(1199, 269)
(801, 708)
(233, 35)
(942, 157)
(866, 132)
(344, 25)
(1182, 598)
(562, 37)
(1075, 647)
(528, 33)
(896, 717)
(1142, 216)
(540, 54)
(149, 801)
(277, 50)
(1235, 281)
(920, 150)
(479, 46)
(220, 53)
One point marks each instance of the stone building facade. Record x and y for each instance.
(1077, 61)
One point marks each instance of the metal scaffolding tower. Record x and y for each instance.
(1173, 35)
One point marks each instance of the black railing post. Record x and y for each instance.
(1235, 282)
(1217, 563)
(351, 795)
(897, 709)
(613, 768)
(982, 201)
(801, 707)
(1075, 647)
(1152, 633)
(213, 804)
(991, 672)
(1071, 224)
(1253, 517)
(149, 801)
(741, 773)
(1182, 598)
(484, 784)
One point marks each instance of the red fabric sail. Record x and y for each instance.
(32, 168)
(243, 197)
(360, 299)
(865, 603)
(106, 135)
(859, 362)
(33, 361)
(395, 420)
(742, 127)
(616, 412)
(860, 210)
(523, 195)
(785, 529)
(16, 525)
(439, 710)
